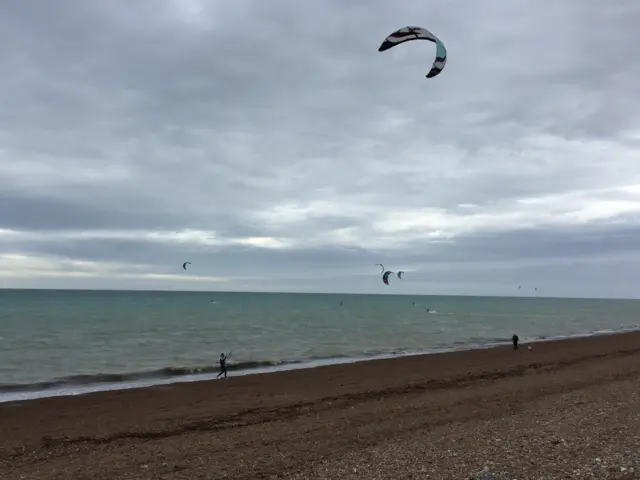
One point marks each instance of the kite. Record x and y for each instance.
(385, 277)
(400, 274)
(184, 265)
(381, 266)
(418, 33)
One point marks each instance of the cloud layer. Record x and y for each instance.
(272, 146)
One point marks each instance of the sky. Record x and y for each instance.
(272, 146)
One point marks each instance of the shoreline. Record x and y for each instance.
(444, 415)
(27, 392)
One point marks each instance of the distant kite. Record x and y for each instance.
(184, 265)
(385, 277)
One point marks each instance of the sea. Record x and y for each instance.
(69, 342)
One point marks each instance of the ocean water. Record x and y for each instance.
(56, 342)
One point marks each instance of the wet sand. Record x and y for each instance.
(562, 407)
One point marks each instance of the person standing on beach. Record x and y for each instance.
(515, 339)
(223, 365)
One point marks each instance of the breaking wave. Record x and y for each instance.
(172, 372)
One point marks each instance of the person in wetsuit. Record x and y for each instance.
(515, 339)
(223, 365)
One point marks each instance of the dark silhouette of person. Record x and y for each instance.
(515, 339)
(223, 365)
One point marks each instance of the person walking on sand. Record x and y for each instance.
(223, 365)
(515, 339)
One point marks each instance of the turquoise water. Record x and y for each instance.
(70, 341)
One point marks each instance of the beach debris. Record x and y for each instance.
(407, 34)
(184, 265)
(487, 474)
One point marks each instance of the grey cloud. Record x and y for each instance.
(148, 117)
(544, 247)
(22, 211)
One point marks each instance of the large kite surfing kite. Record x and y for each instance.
(407, 34)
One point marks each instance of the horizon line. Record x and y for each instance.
(142, 290)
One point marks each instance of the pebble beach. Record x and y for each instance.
(564, 409)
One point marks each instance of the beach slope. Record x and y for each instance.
(565, 409)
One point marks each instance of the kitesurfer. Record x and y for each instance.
(223, 365)
(515, 339)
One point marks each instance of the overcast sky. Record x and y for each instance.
(270, 144)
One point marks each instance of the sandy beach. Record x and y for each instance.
(564, 409)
